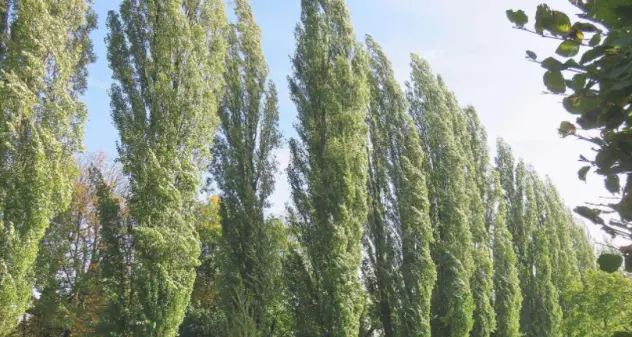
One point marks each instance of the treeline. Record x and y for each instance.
(399, 223)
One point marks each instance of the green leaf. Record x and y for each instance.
(592, 54)
(618, 71)
(560, 23)
(582, 173)
(590, 214)
(542, 18)
(577, 104)
(531, 55)
(613, 184)
(595, 40)
(570, 63)
(605, 158)
(622, 334)
(585, 27)
(552, 64)
(578, 82)
(577, 35)
(624, 40)
(554, 81)
(568, 48)
(519, 18)
(610, 263)
(567, 128)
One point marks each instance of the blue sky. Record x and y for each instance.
(470, 43)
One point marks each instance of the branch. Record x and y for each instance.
(549, 36)
(607, 246)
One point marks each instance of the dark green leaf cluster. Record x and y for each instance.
(595, 78)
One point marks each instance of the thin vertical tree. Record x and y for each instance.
(507, 294)
(453, 304)
(545, 314)
(565, 264)
(327, 172)
(399, 225)
(116, 254)
(43, 74)
(244, 167)
(581, 243)
(469, 135)
(167, 62)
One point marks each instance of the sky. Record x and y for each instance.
(471, 44)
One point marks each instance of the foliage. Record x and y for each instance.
(166, 58)
(42, 75)
(398, 226)
(453, 304)
(116, 256)
(543, 299)
(328, 170)
(244, 167)
(473, 148)
(508, 297)
(600, 305)
(204, 316)
(400, 278)
(68, 272)
(595, 76)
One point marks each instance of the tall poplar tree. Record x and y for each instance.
(116, 259)
(506, 168)
(328, 171)
(398, 208)
(584, 252)
(565, 264)
(468, 134)
(44, 51)
(507, 294)
(167, 62)
(545, 315)
(244, 167)
(453, 304)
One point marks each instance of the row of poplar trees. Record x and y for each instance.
(399, 224)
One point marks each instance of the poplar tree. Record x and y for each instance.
(452, 302)
(545, 315)
(244, 167)
(399, 207)
(327, 172)
(584, 252)
(523, 221)
(467, 132)
(565, 264)
(507, 294)
(116, 255)
(167, 61)
(506, 168)
(44, 51)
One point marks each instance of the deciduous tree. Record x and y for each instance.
(167, 62)
(42, 75)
